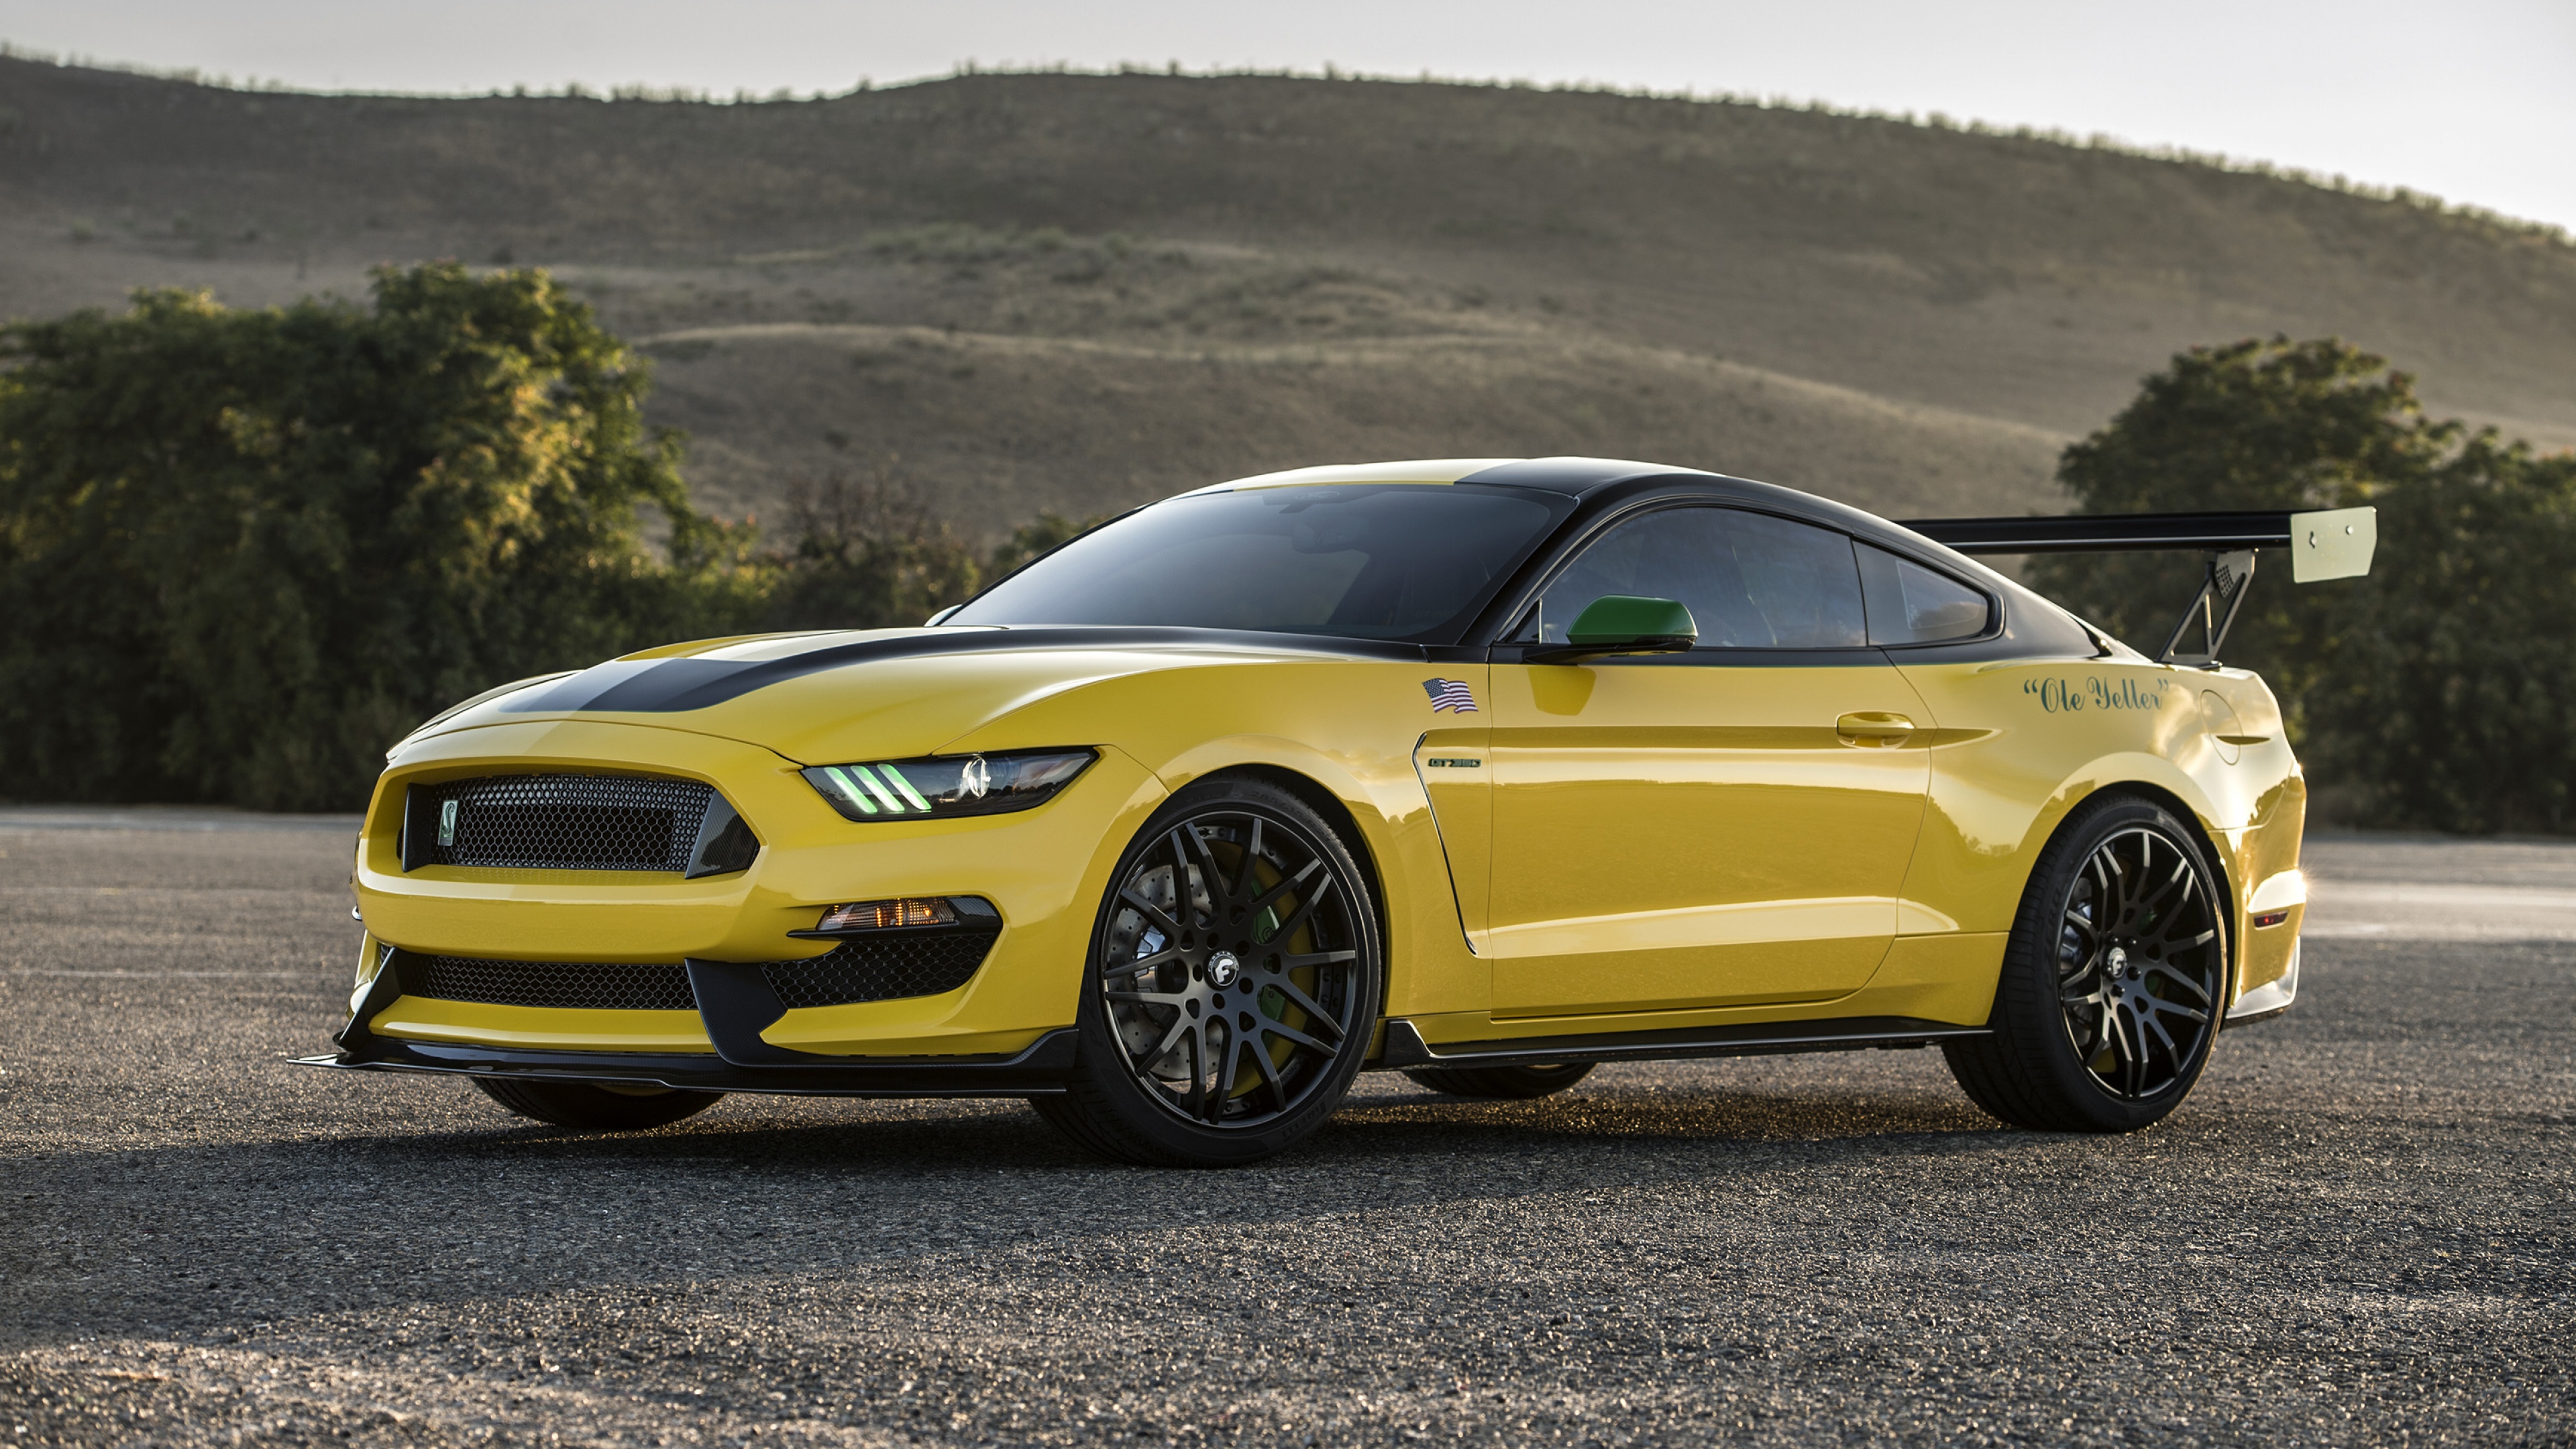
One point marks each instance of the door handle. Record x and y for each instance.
(1871, 727)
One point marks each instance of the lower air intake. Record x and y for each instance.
(576, 985)
(557, 822)
(881, 966)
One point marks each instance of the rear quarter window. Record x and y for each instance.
(1910, 604)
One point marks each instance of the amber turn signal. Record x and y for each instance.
(889, 915)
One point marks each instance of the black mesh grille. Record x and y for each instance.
(562, 822)
(588, 985)
(880, 967)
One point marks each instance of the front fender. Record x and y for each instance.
(1347, 726)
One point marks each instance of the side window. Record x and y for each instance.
(1910, 604)
(1750, 581)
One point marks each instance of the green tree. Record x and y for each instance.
(2451, 702)
(243, 551)
(2272, 424)
(2433, 693)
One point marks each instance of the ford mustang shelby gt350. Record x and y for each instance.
(1484, 770)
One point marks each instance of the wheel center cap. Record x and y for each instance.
(2118, 960)
(1222, 969)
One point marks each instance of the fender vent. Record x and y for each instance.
(881, 966)
(557, 822)
(577, 985)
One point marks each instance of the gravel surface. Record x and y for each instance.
(2357, 1231)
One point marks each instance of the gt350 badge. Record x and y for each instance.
(1449, 696)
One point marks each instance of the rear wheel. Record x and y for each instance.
(2112, 979)
(1232, 985)
(1519, 1082)
(598, 1107)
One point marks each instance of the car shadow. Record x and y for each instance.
(181, 1241)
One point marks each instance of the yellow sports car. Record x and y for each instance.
(1485, 770)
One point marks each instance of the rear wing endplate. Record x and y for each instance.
(2334, 543)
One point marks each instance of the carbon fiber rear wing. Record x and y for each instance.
(2332, 543)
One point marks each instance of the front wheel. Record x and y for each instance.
(2113, 978)
(1232, 985)
(598, 1107)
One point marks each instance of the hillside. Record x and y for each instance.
(1080, 292)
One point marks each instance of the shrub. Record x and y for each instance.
(870, 554)
(243, 551)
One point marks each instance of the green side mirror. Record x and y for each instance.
(1623, 624)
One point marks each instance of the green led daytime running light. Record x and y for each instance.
(850, 790)
(905, 786)
(877, 787)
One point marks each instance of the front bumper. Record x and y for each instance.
(1040, 869)
(736, 1005)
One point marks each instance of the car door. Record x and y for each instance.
(1725, 826)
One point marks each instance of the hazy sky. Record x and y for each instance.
(2472, 100)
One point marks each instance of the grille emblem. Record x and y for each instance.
(447, 823)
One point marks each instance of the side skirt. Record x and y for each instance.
(1406, 1048)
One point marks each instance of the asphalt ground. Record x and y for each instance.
(2357, 1231)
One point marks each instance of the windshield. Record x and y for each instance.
(1360, 561)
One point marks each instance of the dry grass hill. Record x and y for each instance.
(1079, 292)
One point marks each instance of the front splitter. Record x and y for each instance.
(1039, 1070)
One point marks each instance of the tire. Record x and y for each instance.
(1523, 1083)
(598, 1108)
(2113, 979)
(1231, 987)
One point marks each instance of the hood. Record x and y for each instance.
(877, 694)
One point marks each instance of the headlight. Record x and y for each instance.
(943, 787)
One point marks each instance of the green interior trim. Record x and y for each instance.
(1628, 619)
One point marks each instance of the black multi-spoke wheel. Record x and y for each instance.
(2139, 963)
(2113, 980)
(1523, 1083)
(1232, 986)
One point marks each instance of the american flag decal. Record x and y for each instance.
(1450, 696)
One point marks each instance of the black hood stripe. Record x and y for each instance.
(670, 686)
